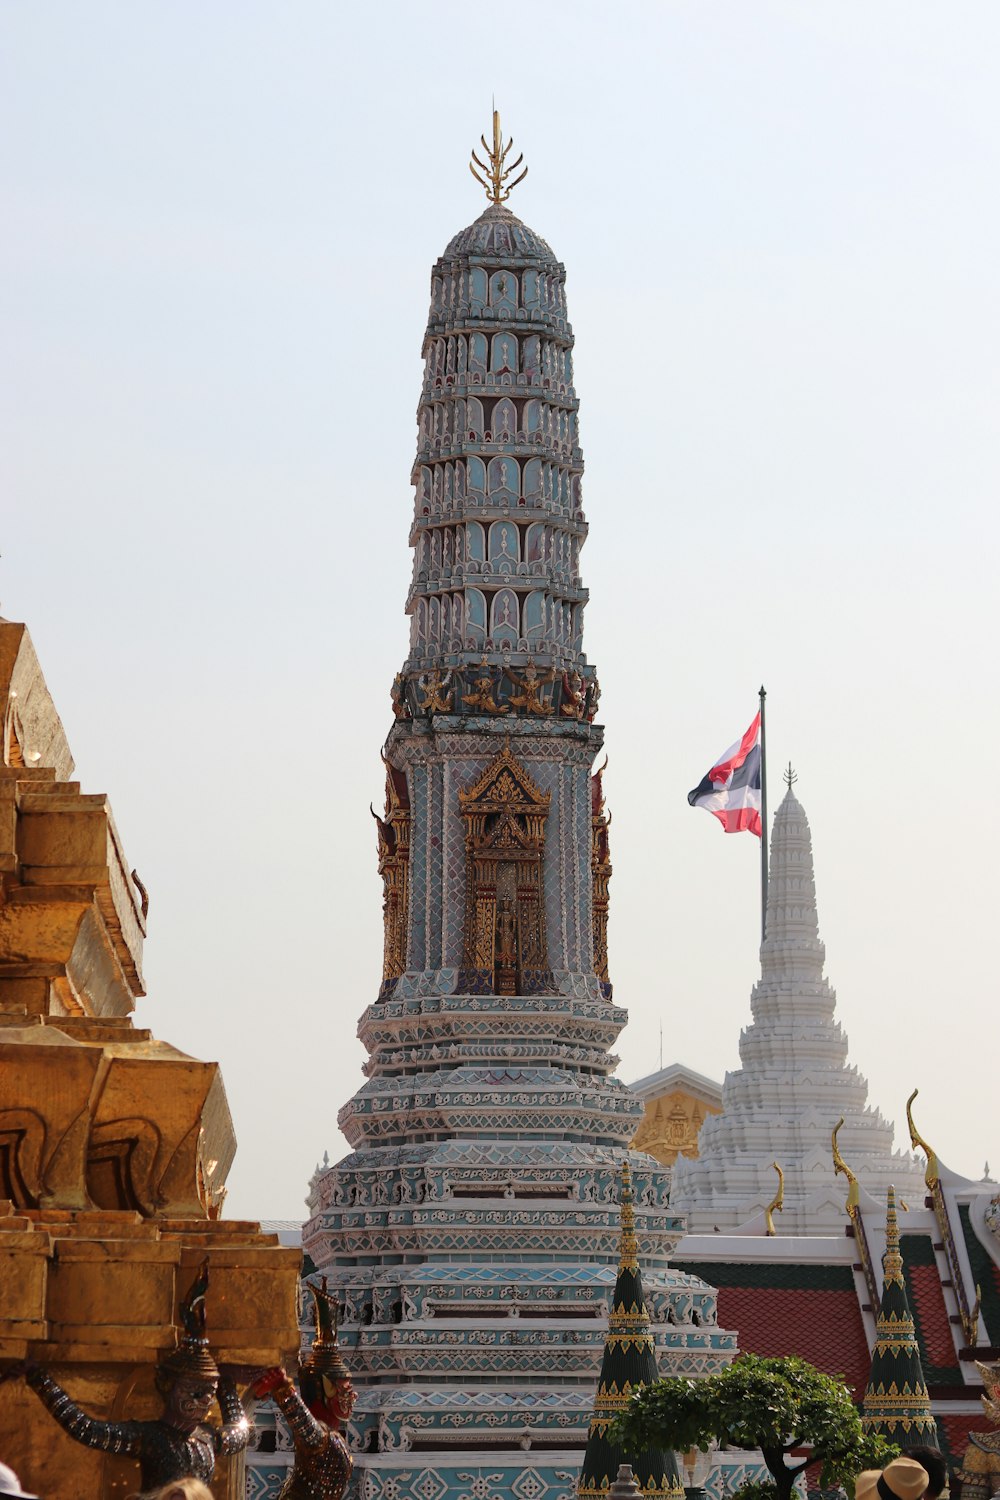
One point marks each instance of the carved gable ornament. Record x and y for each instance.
(505, 940)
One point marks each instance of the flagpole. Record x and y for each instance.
(763, 820)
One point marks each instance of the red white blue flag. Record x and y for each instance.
(731, 790)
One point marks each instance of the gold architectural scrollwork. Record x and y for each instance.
(505, 940)
(931, 1174)
(394, 867)
(777, 1203)
(840, 1165)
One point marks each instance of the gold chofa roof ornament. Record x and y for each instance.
(493, 173)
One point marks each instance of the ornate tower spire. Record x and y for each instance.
(795, 1082)
(896, 1402)
(628, 1364)
(470, 1234)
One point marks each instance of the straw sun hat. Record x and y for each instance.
(903, 1479)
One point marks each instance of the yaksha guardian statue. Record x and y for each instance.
(323, 1464)
(181, 1444)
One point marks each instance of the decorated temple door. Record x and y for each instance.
(505, 946)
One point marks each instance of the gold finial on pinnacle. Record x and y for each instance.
(493, 173)
(628, 1245)
(892, 1261)
(789, 777)
(777, 1203)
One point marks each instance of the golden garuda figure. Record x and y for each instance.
(182, 1443)
(323, 1463)
(529, 681)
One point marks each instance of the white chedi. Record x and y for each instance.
(794, 1085)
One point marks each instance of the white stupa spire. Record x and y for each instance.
(795, 1082)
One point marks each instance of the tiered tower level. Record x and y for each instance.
(471, 1233)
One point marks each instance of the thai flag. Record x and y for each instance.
(731, 790)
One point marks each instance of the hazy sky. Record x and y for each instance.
(781, 228)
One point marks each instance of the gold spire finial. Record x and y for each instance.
(493, 173)
(777, 1203)
(932, 1173)
(892, 1260)
(628, 1248)
(840, 1165)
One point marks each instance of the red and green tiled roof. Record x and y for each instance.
(986, 1273)
(809, 1310)
(930, 1315)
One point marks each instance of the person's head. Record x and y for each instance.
(182, 1489)
(933, 1460)
(11, 1485)
(902, 1479)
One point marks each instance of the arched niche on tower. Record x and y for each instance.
(420, 616)
(533, 356)
(475, 618)
(478, 290)
(504, 477)
(505, 617)
(426, 486)
(478, 354)
(503, 293)
(534, 617)
(475, 542)
(433, 622)
(503, 359)
(577, 628)
(444, 635)
(504, 420)
(534, 543)
(532, 480)
(474, 424)
(423, 555)
(505, 546)
(477, 478)
(532, 417)
(504, 813)
(529, 289)
(457, 621)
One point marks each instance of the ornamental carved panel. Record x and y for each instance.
(506, 952)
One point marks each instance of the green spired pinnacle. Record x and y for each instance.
(896, 1403)
(629, 1363)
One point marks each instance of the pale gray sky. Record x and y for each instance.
(781, 229)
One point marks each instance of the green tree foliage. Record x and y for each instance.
(776, 1405)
